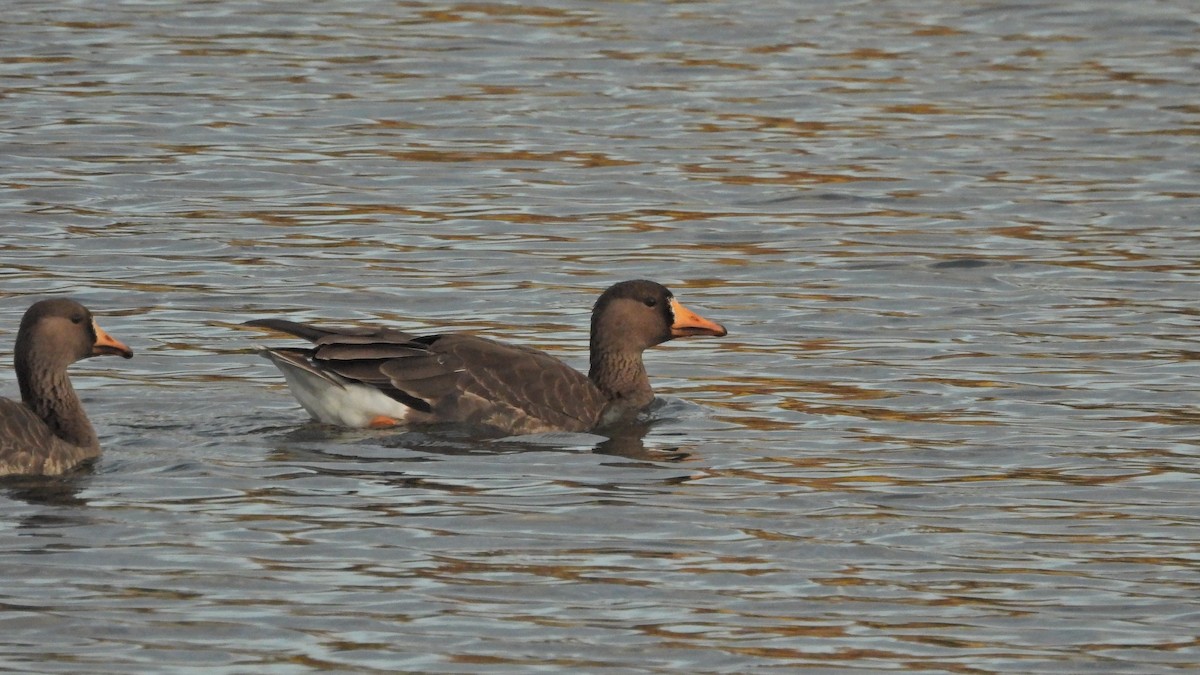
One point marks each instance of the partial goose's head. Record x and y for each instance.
(636, 315)
(59, 332)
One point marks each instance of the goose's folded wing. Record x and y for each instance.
(507, 385)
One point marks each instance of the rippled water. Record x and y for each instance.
(953, 428)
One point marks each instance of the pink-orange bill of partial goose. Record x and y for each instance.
(382, 377)
(47, 432)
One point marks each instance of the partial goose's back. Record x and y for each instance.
(27, 446)
(520, 389)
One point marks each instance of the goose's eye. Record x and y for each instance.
(650, 302)
(76, 318)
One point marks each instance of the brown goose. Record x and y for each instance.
(47, 433)
(381, 377)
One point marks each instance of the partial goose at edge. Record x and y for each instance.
(47, 431)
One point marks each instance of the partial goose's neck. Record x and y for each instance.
(46, 389)
(620, 376)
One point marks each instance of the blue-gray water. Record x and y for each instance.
(953, 428)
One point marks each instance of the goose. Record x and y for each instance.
(379, 377)
(47, 431)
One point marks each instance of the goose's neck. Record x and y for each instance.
(621, 377)
(49, 394)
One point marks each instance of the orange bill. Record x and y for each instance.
(107, 344)
(689, 323)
